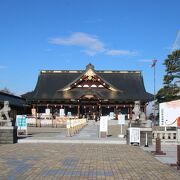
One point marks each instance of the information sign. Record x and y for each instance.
(69, 114)
(104, 123)
(47, 111)
(21, 122)
(121, 119)
(111, 114)
(61, 112)
(169, 114)
(134, 135)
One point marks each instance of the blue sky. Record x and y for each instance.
(68, 34)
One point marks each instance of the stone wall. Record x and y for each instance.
(8, 135)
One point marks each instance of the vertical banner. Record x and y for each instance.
(103, 126)
(121, 121)
(33, 111)
(103, 123)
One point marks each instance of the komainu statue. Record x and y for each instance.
(4, 114)
(138, 114)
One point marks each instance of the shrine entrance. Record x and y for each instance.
(91, 112)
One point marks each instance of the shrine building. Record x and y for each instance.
(84, 93)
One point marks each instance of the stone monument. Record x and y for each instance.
(8, 133)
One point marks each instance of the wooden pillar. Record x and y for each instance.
(117, 112)
(64, 110)
(78, 111)
(100, 110)
(36, 116)
(130, 112)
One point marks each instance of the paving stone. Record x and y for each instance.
(80, 161)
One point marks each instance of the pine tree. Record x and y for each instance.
(171, 89)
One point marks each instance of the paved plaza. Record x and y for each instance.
(80, 161)
(83, 156)
(89, 134)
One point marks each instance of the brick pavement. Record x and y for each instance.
(80, 161)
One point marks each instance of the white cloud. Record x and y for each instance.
(119, 52)
(176, 44)
(90, 52)
(91, 43)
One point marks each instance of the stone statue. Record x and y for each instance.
(138, 114)
(136, 111)
(4, 114)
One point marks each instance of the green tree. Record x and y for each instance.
(171, 89)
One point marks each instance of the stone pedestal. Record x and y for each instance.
(8, 135)
(143, 132)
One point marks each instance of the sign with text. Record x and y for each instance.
(121, 119)
(47, 111)
(169, 114)
(111, 115)
(61, 113)
(104, 123)
(21, 122)
(134, 134)
(69, 114)
(33, 111)
(68, 124)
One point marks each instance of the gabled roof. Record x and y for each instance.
(89, 74)
(13, 100)
(129, 86)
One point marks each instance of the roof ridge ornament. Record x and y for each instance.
(89, 66)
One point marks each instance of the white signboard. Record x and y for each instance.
(68, 124)
(134, 135)
(21, 122)
(33, 111)
(61, 112)
(69, 114)
(169, 113)
(111, 114)
(47, 111)
(121, 119)
(104, 123)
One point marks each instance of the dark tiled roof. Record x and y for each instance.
(129, 83)
(13, 100)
